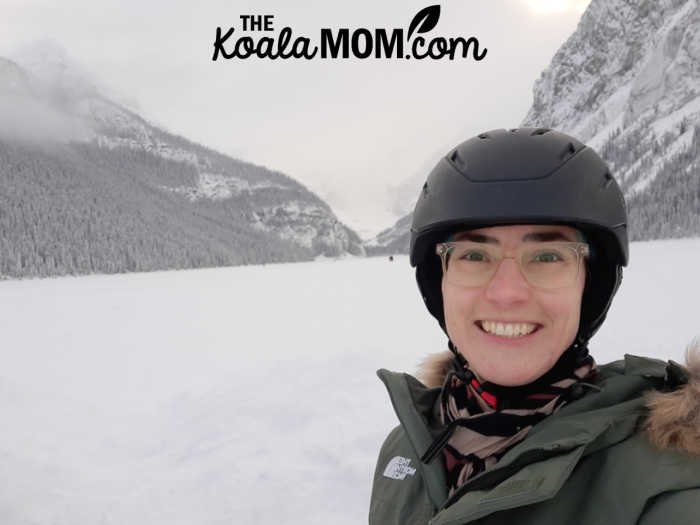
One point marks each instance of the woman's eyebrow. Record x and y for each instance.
(545, 237)
(476, 237)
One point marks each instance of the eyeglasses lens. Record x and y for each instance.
(545, 265)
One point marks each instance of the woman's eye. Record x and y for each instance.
(547, 257)
(474, 256)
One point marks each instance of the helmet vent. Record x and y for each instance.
(568, 150)
(539, 131)
(607, 179)
(458, 161)
(484, 136)
(425, 188)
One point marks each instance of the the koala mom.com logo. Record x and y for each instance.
(258, 38)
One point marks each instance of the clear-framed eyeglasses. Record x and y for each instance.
(546, 265)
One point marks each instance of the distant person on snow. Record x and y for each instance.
(518, 239)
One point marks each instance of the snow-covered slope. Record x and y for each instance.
(242, 395)
(627, 82)
(48, 100)
(395, 239)
(629, 65)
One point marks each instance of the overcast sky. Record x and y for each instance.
(354, 131)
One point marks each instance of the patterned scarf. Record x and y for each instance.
(483, 421)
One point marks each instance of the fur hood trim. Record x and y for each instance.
(434, 368)
(674, 417)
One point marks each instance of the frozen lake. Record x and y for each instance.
(242, 395)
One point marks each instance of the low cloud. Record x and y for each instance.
(24, 118)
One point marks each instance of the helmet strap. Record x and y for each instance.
(580, 342)
(458, 356)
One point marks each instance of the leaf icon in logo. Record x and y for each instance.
(427, 18)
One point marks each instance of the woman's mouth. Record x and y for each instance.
(505, 329)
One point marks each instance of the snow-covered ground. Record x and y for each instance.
(241, 395)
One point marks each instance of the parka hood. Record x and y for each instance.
(674, 412)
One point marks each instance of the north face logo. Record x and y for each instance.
(398, 468)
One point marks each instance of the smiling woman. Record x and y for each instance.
(513, 319)
(519, 239)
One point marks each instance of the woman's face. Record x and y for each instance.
(509, 299)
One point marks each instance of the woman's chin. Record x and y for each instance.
(506, 368)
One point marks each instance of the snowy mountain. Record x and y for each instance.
(392, 240)
(88, 185)
(627, 82)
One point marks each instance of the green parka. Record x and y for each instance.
(592, 462)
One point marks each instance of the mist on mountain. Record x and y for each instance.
(89, 186)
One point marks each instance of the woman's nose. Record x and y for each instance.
(508, 285)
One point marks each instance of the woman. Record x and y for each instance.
(519, 238)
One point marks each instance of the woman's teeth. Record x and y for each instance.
(508, 329)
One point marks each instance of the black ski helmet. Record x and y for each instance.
(524, 176)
